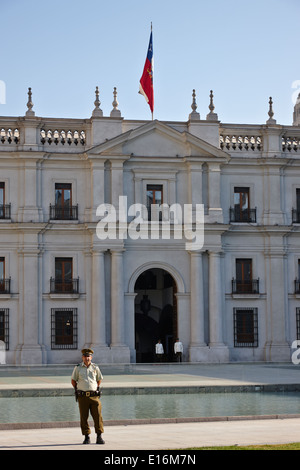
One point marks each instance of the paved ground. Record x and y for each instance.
(159, 436)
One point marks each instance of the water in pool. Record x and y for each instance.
(49, 409)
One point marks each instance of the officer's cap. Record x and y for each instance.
(87, 352)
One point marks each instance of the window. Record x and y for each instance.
(245, 327)
(297, 280)
(64, 328)
(63, 281)
(296, 212)
(154, 196)
(2, 273)
(63, 209)
(4, 208)
(298, 322)
(242, 211)
(2, 194)
(4, 327)
(244, 283)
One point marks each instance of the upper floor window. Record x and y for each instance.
(296, 212)
(297, 280)
(242, 211)
(244, 282)
(63, 281)
(4, 208)
(63, 209)
(4, 326)
(4, 283)
(154, 197)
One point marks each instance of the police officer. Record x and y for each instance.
(86, 379)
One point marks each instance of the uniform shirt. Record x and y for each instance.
(178, 347)
(86, 377)
(159, 349)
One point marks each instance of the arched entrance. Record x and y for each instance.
(155, 314)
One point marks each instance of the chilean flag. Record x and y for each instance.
(146, 81)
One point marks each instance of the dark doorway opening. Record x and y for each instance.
(155, 314)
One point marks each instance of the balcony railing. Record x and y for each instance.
(4, 286)
(64, 286)
(245, 287)
(296, 216)
(238, 215)
(63, 213)
(5, 212)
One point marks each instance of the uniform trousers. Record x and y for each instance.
(93, 405)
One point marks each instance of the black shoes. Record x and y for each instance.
(99, 440)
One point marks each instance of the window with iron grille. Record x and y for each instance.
(245, 327)
(4, 327)
(64, 328)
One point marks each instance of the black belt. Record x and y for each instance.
(91, 393)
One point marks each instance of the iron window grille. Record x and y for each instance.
(5, 211)
(295, 216)
(58, 212)
(64, 331)
(245, 286)
(5, 286)
(242, 215)
(4, 327)
(245, 322)
(64, 286)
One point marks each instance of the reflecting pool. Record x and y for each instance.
(49, 409)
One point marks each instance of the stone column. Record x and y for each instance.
(97, 186)
(30, 349)
(276, 348)
(197, 304)
(30, 211)
(219, 352)
(117, 299)
(198, 348)
(116, 183)
(98, 333)
(120, 352)
(214, 193)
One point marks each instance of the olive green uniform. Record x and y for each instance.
(88, 401)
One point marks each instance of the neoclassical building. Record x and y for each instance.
(63, 287)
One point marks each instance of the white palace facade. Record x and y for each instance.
(63, 287)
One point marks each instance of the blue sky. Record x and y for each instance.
(245, 51)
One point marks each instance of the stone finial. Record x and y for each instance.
(97, 111)
(29, 111)
(296, 113)
(194, 115)
(211, 116)
(271, 113)
(115, 112)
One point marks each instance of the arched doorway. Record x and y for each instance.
(155, 314)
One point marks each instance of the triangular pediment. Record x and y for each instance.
(156, 139)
